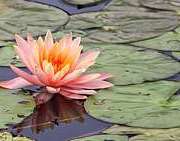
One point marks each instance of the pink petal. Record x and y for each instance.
(87, 59)
(15, 83)
(49, 39)
(86, 78)
(53, 90)
(79, 91)
(30, 78)
(104, 76)
(24, 52)
(72, 96)
(97, 84)
(69, 77)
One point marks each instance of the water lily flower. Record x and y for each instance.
(59, 66)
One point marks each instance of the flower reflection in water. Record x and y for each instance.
(55, 111)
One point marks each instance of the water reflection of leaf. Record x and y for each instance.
(47, 115)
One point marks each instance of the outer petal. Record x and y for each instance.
(15, 83)
(87, 59)
(25, 53)
(104, 76)
(70, 77)
(97, 84)
(86, 78)
(30, 78)
(49, 39)
(79, 91)
(72, 95)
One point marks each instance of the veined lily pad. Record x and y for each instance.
(81, 2)
(169, 42)
(176, 54)
(125, 24)
(21, 17)
(131, 65)
(5, 136)
(13, 106)
(143, 134)
(150, 105)
(162, 4)
(8, 56)
(103, 138)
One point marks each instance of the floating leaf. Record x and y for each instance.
(8, 56)
(150, 105)
(131, 65)
(21, 17)
(103, 138)
(168, 42)
(176, 54)
(5, 136)
(162, 4)
(125, 24)
(14, 106)
(143, 134)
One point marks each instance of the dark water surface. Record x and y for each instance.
(59, 120)
(73, 9)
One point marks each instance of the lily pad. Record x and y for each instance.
(103, 138)
(168, 42)
(21, 17)
(143, 134)
(5, 136)
(14, 106)
(125, 24)
(82, 2)
(8, 56)
(173, 5)
(149, 105)
(176, 54)
(131, 65)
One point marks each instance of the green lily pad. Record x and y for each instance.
(8, 56)
(122, 25)
(103, 138)
(168, 42)
(82, 2)
(14, 106)
(21, 17)
(149, 105)
(162, 4)
(131, 65)
(173, 136)
(143, 134)
(176, 54)
(5, 136)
